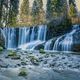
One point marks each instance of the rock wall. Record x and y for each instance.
(2, 39)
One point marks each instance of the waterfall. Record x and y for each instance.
(32, 34)
(31, 45)
(10, 37)
(31, 37)
(25, 36)
(48, 45)
(65, 42)
(42, 33)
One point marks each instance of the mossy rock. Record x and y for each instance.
(13, 55)
(23, 72)
(1, 48)
(42, 51)
(34, 60)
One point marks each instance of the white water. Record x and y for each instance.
(16, 37)
(31, 37)
(10, 37)
(65, 42)
(48, 45)
(23, 35)
(42, 33)
(30, 45)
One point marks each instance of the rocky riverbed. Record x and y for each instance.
(35, 65)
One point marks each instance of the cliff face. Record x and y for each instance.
(2, 38)
(12, 12)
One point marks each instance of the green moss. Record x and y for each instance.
(23, 72)
(34, 60)
(1, 48)
(13, 55)
(72, 10)
(42, 51)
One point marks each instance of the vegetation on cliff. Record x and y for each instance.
(28, 16)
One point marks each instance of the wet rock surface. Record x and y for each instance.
(47, 66)
(2, 38)
(48, 60)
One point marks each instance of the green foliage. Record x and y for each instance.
(0, 11)
(13, 55)
(37, 6)
(37, 12)
(72, 10)
(42, 51)
(1, 48)
(60, 29)
(55, 7)
(25, 7)
(23, 72)
(11, 19)
(35, 9)
(34, 60)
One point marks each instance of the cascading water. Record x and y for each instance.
(32, 34)
(42, 33)
(23, 35)
(31, 37)
(48, 45)
(15, 37)
(65, 42)
(10, 37)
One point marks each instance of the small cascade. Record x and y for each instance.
(10, 37)
(30, 45)
(65, 42)
(57, 44)
(15, 37)
(32, 34)
(34, 37)
(48, 45)
(42, 33)
(23, 35)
